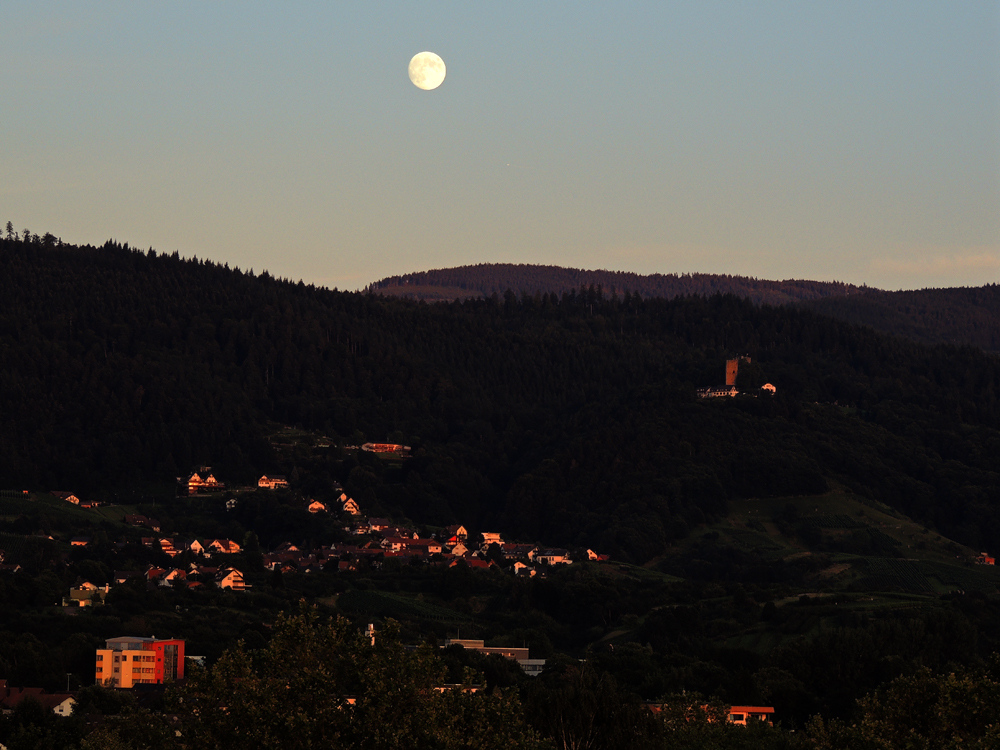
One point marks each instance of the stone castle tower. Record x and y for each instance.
(732, 367)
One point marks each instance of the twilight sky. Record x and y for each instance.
(820, 139)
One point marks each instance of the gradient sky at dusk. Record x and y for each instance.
(856, 141)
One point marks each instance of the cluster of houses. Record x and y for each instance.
(193, 576)
(451, 548)
(174, 546)
(384, 541)
(69, 497)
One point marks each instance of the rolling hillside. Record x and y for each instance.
(571, 417)
(928, 316)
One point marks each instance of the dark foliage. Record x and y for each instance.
(486, 279)
(566, 418)
(930, 316)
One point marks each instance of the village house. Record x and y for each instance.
(515, 551)
(490, 537)
(284, 561)
(315, 506)
(523, 570)
(222, 546)
(272, 482)
(168, 548)
(426, 547)
(197, 574)
(230, 578)
(69, 497)
(457, 533)
(60, 704)
(349, 505)
(196, 483)
(86, 594)
(169, 577)
(394, 543)
(552, 557)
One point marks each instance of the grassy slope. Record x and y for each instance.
(908, 566)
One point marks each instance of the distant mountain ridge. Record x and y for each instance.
(486, 279)
(965, 315)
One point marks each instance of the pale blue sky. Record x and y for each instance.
(857, 141)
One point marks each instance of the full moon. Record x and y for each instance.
(426, 70)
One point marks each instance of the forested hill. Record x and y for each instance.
(487, 279)
(932, 316)
(566, 418)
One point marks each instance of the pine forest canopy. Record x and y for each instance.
(486, 279)
(930, 316)
(566, 416)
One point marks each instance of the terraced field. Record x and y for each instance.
(892, 574)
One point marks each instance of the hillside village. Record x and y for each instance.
(372, 542)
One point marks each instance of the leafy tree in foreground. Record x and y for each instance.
(922, 711)
(323, 684)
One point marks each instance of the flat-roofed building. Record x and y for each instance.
(530, 667)
(129, 661)
(743, 715)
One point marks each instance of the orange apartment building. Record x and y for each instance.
(129, 661)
